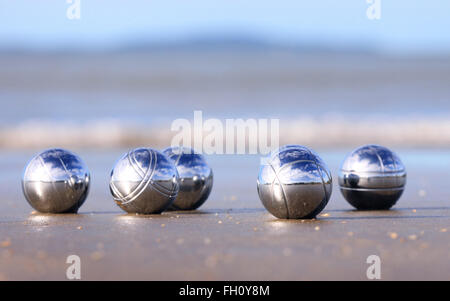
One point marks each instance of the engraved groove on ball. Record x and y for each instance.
(56, 181)
(289, 180)
(144, 181)
(141, 186)
(195, 177)
(372, 178)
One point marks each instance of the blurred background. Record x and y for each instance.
(119, 75)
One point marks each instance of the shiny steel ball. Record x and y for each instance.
(294, 182)
(144, 181)
(195, 178)
(372, 178)
(56, 181)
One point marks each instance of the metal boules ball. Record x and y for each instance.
(294, 182)
(195, 178)
(144, 181)
(372, 178)
(56, 181)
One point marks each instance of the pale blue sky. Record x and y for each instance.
(406, 26)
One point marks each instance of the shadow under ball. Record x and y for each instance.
(294, 183)
(372, 178)
(56, 181)
(195, 178)
(144, 181)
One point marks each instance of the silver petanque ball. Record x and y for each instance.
(56, 181)
(195, 177)
(144, 181)
(294, 182)
(372, 178)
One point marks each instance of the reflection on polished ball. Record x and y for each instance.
(372, 177)
(294, 182)
(196, 178)
(56, 181)
(144, 181)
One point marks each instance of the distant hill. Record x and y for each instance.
(209, 43)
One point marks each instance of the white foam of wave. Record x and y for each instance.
(323, 132)
(96, 134)
(338, 131)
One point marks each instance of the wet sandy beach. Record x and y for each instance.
(231, 237)
(100, 80)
